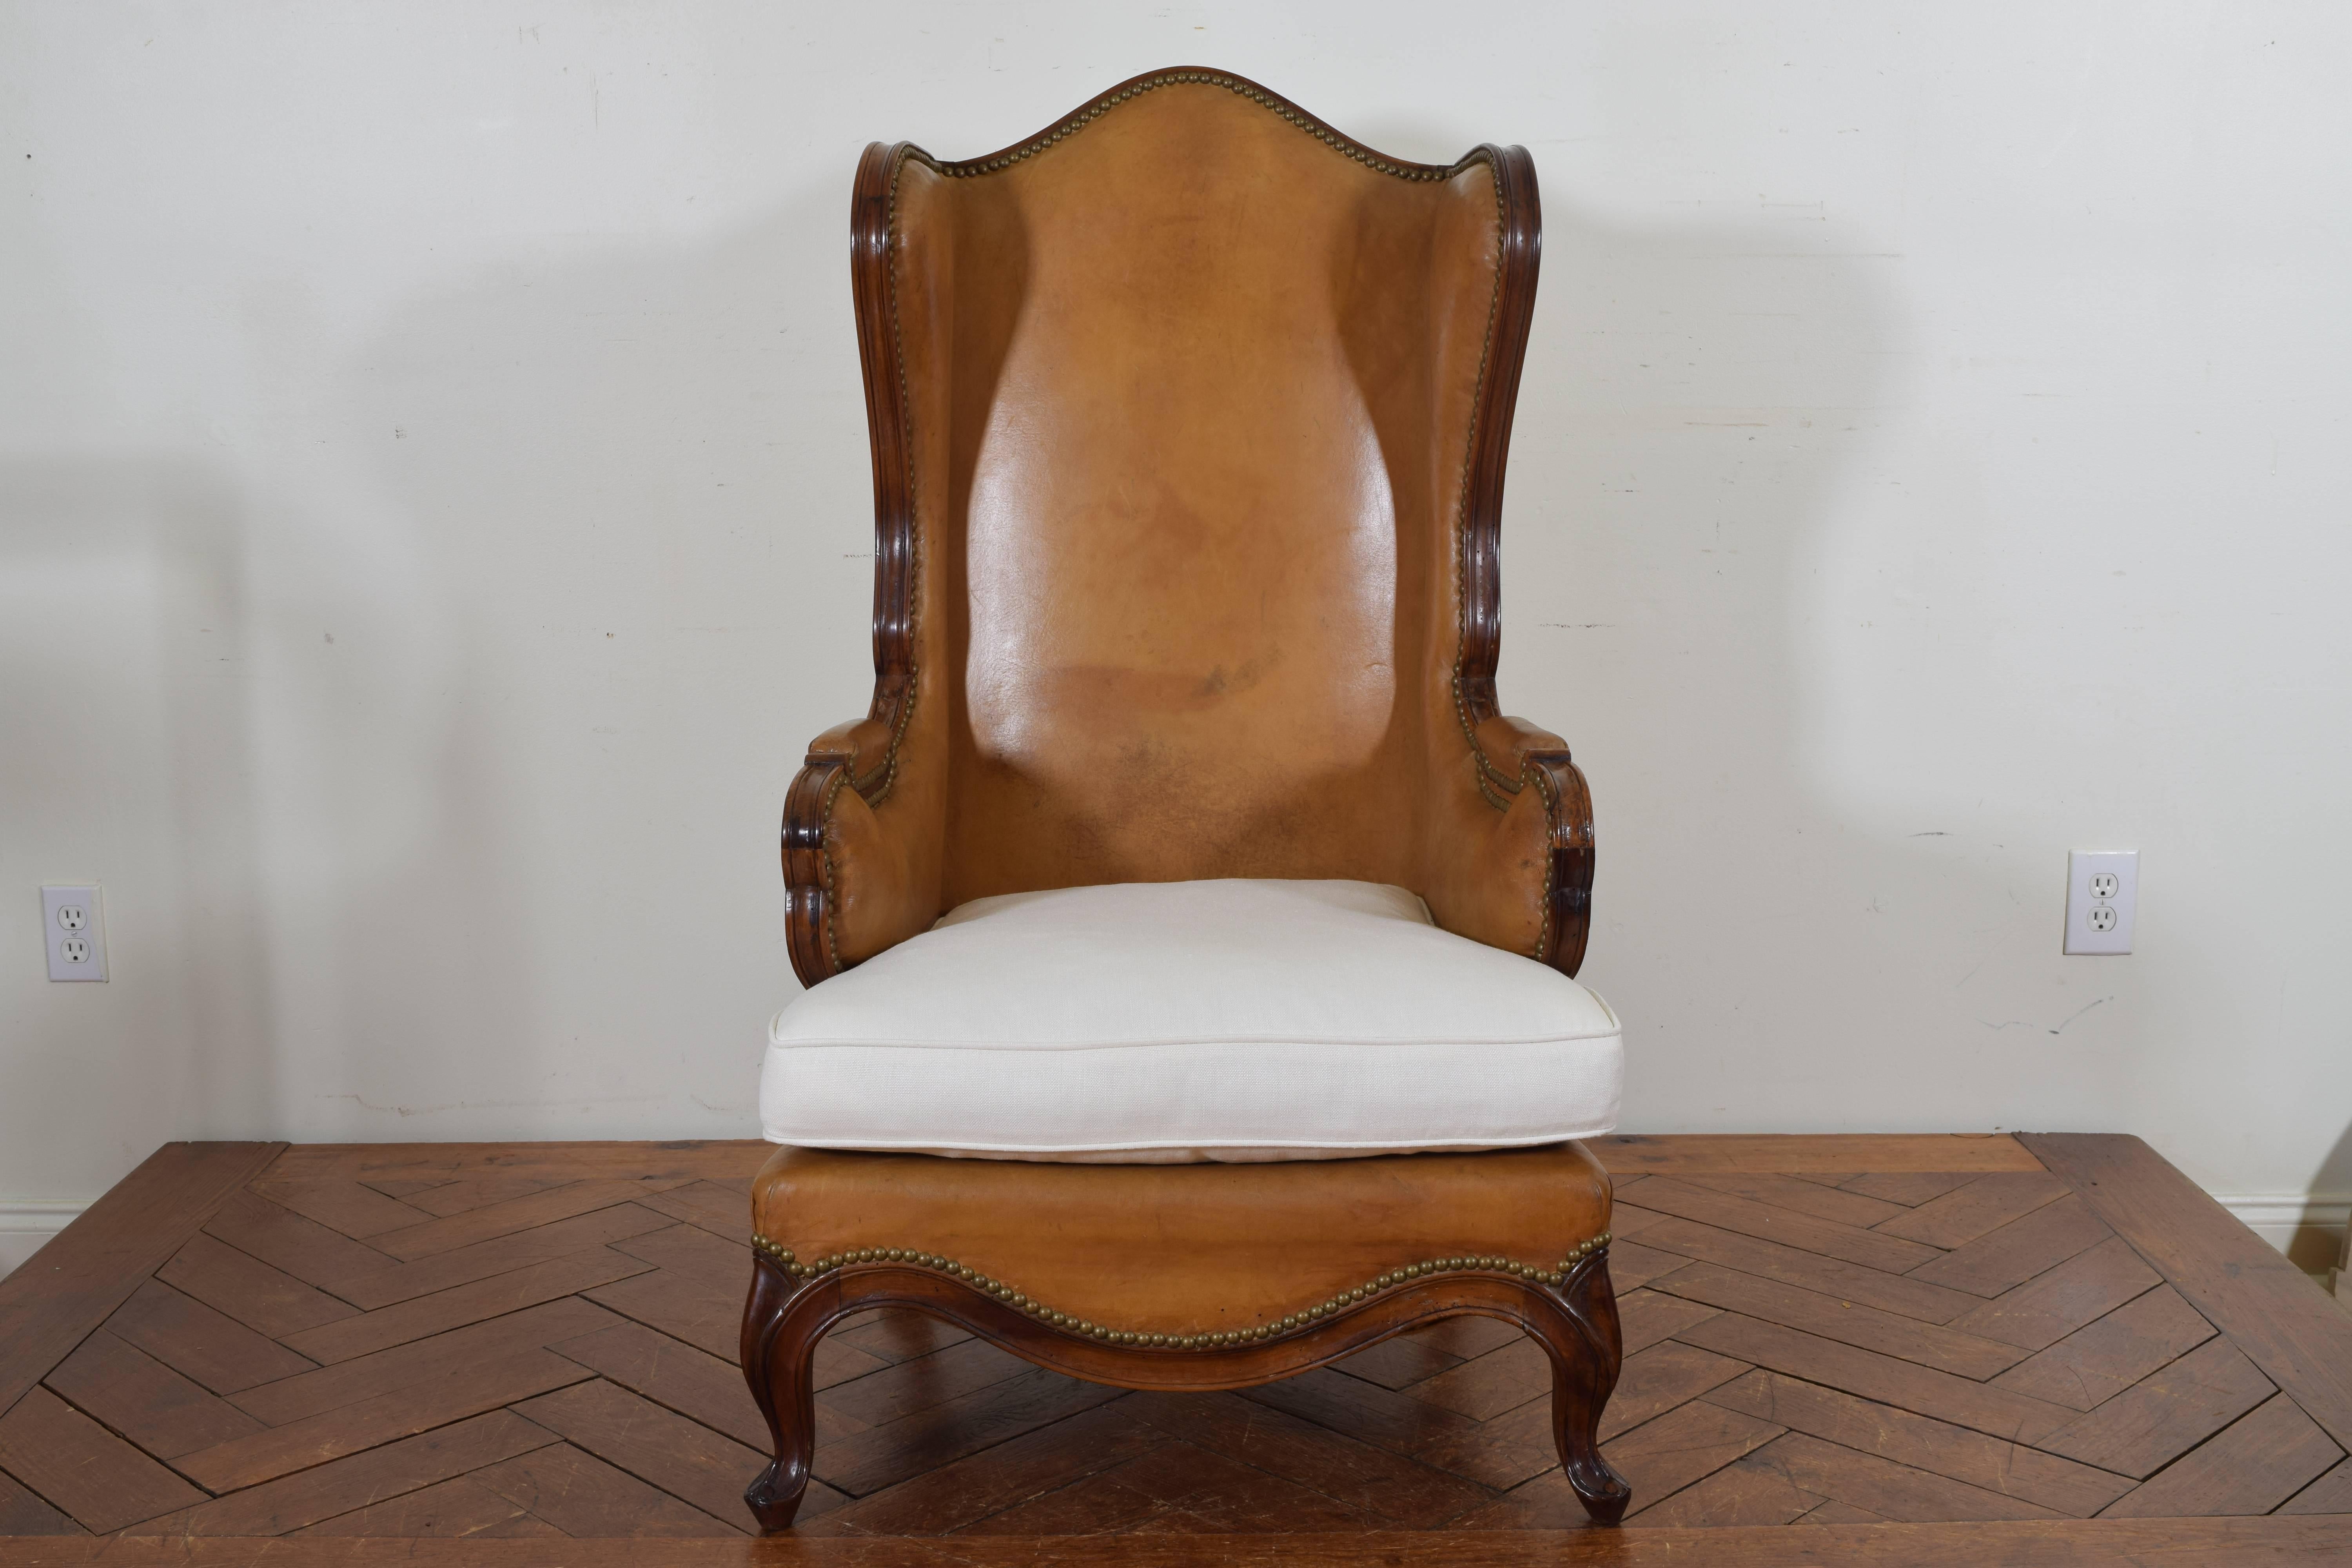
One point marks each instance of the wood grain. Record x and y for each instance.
(84, 1272)
(1726, 1418)
(2268, 1306)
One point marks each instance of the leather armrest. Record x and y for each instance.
(861, 851)
(1512, 862)
(864, 744)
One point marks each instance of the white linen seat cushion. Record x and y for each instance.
(1145, 1022)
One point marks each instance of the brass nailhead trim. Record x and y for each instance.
(785, 1258)
(1095, 111)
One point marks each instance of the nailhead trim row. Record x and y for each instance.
(791, 1265)
(1096, 111)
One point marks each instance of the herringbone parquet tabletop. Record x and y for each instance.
(479, 1341)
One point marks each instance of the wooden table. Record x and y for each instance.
(2046, 1349)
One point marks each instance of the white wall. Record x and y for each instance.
(434, 511)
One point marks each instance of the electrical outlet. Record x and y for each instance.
(73, 925)
(2102, 886)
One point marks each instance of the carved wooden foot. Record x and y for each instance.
(779, 1346)
(1586, 1348)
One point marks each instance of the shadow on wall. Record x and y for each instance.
(1805, 912)
(645, 607)
(126, 653)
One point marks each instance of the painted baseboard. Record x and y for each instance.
(2307, 1226)
(26, 1223)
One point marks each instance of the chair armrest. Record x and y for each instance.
(1512, 858)
(861, 852)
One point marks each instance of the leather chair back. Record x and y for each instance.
(1189, 423)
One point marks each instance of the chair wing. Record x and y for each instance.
(1190, 417)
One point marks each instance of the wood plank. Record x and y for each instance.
(1662, 1378)
(1755, 1491)
(1804, 1197)
(2300, 1339)
(131, 1391)
(422, 1361)
(720, 1210)
(442, 1199)
(2102, 1359)
(463, 1266)
(1425, 1352)
(2256, 1464)
(2005, 1259)
(84, 1469)
(682, 1457)
(1849, 1322)
(277, 1508)
(1646, 1317)
(1885, 1487)
(285, 1241)
(2171, 1412)
(2031, 1543)
(1922, 1443)
(583, 1495)
(1657, 1459)
(1744, 1216)
(1776, 1153)
(493, 1220)
(1809, 1271)
(192, 1339)
(458, 1510)
(1400, 1361)
(674, 1375)
(691, 1250)
(470, 1391)
(2048, 1306)
(424, 1316)
(79, 1275)
(1355, 1473)
(1883, 1379)
(1632, 1265)
(1178, 1488)
(688, 1160)
(237, 1285)
(1030, 1467)
(22, 1512)
(705, 1315)
(908, 1386)
(1500, 1453)
(1501, 1380)
(1909, 1188)
(2331, 1493)
(340, 1203)
(888, 1454)
(1980, 1208)
(1660, 1457)
(898, 1334)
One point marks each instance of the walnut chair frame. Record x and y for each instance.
(1511, 865)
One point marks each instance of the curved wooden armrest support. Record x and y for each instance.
(1513, 861)
(853, 878)
(1513, 756)
(1575, 1321)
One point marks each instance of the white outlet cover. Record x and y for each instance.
(2086, 912)
(73, 926)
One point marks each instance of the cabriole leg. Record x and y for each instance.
(782, 1324)
(1586, 1348)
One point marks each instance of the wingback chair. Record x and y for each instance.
(1187, 936)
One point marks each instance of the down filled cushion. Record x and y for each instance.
(1180, 1021)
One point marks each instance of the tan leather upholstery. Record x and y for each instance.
(1187, 407)
(1181, 1249)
